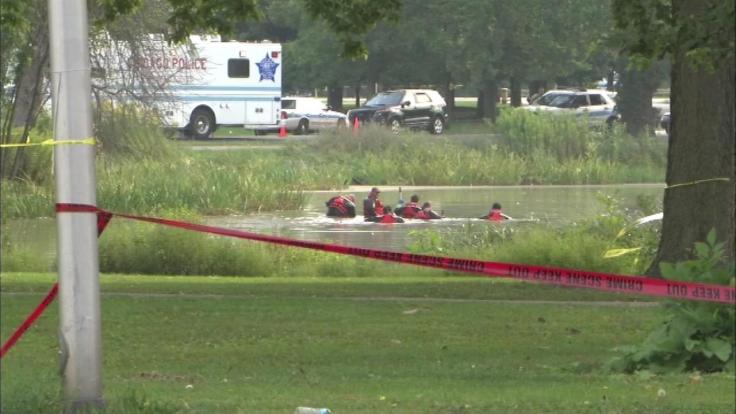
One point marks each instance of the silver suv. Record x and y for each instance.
(595, 104)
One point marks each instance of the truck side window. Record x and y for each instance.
(238, 68)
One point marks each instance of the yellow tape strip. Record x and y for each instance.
(699, 182)
(619, 252)
(88, 141)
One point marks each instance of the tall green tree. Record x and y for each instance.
(698, 35)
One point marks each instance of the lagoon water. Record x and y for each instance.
(461, 205)
(528, 205)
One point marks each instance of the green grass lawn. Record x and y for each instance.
(362, 345)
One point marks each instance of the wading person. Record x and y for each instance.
(341, 206)
(372, 206)
(388, 217)
(410, 209)
(496, 214)
(426, 213)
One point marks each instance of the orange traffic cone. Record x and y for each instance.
(282, 131)
(356, 123)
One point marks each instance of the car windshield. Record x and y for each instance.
(562, 101)
(545, 99)
(385, 99)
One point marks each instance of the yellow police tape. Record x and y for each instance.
(698, 182)
(87, 141)
(619, 252)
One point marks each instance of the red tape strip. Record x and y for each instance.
(103, 218)
(539, 274)
(29, 320)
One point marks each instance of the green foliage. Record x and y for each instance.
(348, 20)
(33, 163)
(582, 245)
(702, 29)
(393, 343)
(132, 132)
(139, 248)
(696, 335)
(531, 134)
(140, 171)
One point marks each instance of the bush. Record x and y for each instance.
(696, 336)
(132, 132)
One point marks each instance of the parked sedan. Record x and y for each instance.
(302, 115)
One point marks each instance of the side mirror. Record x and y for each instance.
(405, 103)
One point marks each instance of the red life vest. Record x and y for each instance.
(338, 203)
(422, 215)
(379, 207)
(495, 215)
(410, 210)
(387, 219)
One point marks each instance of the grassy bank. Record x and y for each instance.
(269, 345)
(523, 148)
(140, 248)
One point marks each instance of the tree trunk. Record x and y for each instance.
(334, 97)
(701, 162)
(515, 92)
(479, 105)
(357, 95)
(449, 93)
(635, 100)
(489, 100)
(535, 88)
(611, 80)
(27, 100)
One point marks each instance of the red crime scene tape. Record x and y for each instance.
(539, 274)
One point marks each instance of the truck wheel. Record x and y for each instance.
(303, 127)
(438, 126)
(202, 123)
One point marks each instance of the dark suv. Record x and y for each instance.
(410, 108)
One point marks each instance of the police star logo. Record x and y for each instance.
(267, 68)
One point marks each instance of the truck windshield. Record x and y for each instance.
(386, 99)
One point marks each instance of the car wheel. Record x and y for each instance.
(303, 127)
(395, 125)
(438, 126)
(202, 123)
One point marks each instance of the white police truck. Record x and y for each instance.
(215, 83)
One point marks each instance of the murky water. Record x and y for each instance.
(526, 204)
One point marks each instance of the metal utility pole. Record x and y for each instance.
(79, 287)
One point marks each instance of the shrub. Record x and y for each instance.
(696, 335)
(132, 132)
